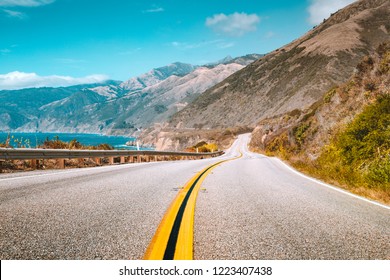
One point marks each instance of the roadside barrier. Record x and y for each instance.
(113, 156)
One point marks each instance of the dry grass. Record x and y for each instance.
(363, 190)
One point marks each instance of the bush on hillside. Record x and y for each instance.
(361, 153)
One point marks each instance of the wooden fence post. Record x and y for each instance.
(111, 160)
(34, 163)
(61, 163)
(98, 161)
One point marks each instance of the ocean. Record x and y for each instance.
(32, 140)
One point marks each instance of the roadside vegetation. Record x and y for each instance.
(55, 143)
(203, 147)
(23, 165)
(358, 156)
(345, 138)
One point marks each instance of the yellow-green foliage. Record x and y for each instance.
(328, 96)
(204, 147)
(300, 133)
(279, 146)
(384, 66)
(12, 141)
(73, 145)
(212, 147)
(360, 154)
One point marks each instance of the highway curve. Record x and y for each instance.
(252, 207)
(256, 207)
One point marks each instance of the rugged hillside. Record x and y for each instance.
(21, 107)
(294, 76)
(157, 75)
(344, 137)
(114, 108)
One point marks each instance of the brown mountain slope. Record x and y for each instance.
(295, 76)
(343, 138)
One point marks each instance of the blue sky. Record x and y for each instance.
(61, 42)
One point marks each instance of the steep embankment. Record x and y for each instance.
(345, 137)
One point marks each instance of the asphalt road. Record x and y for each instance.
(253, 207)
(256, 207)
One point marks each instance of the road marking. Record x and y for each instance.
(174, 237)
(332, 187)
(320, 182)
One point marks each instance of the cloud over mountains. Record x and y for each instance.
(19, 80)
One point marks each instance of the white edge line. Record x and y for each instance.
(332, 187)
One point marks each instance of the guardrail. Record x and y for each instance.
(125, 156)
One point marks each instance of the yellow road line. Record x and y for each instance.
(175, 234)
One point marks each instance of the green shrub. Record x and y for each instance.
(300, 133)
(379, 171)
(328, 96)
(360, 153)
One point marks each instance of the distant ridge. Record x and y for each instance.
(113, 107)
(157, 75)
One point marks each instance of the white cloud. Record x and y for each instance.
(8, 50)
(19, 80)
(5, 51)
(154, 9)
(321, 9)
(130, 52)
(219, 44)
(270, 35)
(24, 3)
(226, 45)
(70, 61)
(21, 3)
(235, 25)
(15, 14)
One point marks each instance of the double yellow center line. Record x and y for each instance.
(174, 237)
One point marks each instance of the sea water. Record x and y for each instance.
(32, 140)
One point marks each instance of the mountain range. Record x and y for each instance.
(114, 107)
(179, 105)
(291, 78)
